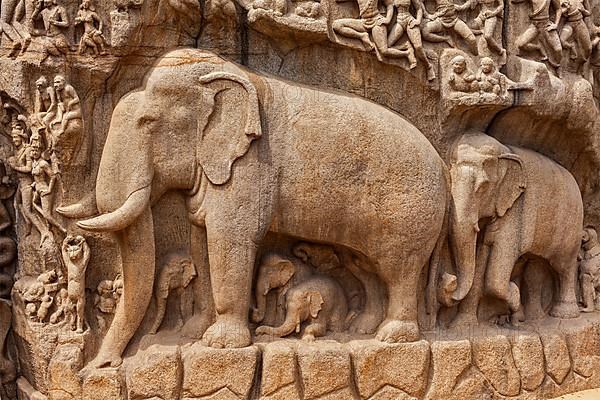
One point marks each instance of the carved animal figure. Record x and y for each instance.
(534, 207)
(175, 276)
(252, 159)
(319, 300)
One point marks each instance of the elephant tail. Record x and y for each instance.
(431, 299)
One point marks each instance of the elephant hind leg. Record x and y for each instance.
(402, 281)
(565, 305)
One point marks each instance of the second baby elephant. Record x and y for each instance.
(319, 300)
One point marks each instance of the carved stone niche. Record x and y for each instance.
(299, 199)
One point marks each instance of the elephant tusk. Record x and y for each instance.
(122, 217)
(476, 227)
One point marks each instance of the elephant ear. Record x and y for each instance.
(513, 182)
(230, 121)
(286, 270)
(315, 303)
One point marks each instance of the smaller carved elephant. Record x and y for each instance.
(320, 301)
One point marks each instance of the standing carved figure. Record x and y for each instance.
(62, 306)
(574, 28)
(55, 19)
(105, 301)
(92, 26)
(176, 275)
(589, 270)
(490, 13)
(405, 22)
(76, 256)
(542, 29)
(446, 19)
(44, 179)
(371, 21)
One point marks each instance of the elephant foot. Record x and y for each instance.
(365, 323)
(587, 309)
(195, 327)
(565, 310)
(395, 331)
(227, 332)
(105, 360)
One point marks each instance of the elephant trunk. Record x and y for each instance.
(122, 217)
(291, 323)
(85, 208)
(463, 239)
(258, 313)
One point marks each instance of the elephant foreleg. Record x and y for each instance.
(137, 253)
(231, 261)
(503, 257)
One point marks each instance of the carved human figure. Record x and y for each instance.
(490, 13)
(371, 21)
(406, 22)
(589, 270)
(543, 30)
(176, 275)
(105, 301)
(499, 192)
(319, 301)
(574, 11)
(22, 162)
(445, 19)
(489, 79)
(92, 25)
(76, 256)
(461, 79)
(55, 19)
(63, 306)
(44, 179)
(11, 12)
(45, 101)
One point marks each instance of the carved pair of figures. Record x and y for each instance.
(487, 79)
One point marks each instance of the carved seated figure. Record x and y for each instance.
(318, 301)
(63, 306)
(461, 79)
(176, 275)
(105, 301)
(589, 270)
(489, 78)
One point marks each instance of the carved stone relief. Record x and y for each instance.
(270, 199)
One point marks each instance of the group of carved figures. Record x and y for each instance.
(571, 30)
(43, 143)
(19, 20)
(52, 296)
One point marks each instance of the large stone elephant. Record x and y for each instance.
(256, 153)
(532, 209)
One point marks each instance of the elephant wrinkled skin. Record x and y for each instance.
(257, 154)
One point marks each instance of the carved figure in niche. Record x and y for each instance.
(176, 275)
(446, 19)
(462, 79)
(63, 306)
(76, 256)
(589, 270)
(44, 178)
(490, 13)
(11, 12)
(55, 20)
(22, 162)
(371, 21)
(320, 301)
(398, 252)
(574, 28)
(310, 9)
(405, 22)
(544, 31)
(106, 301)
(280, 273)
(489, 79)
(516, 190)
(92, 25)
(67, 126)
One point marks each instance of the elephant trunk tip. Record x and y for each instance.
(78, 210)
